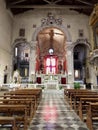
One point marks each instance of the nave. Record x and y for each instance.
(52, 110)
(54, 113)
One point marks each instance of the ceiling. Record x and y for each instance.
(81, 6)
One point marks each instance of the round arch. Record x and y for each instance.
(82, 42)
(62, 28)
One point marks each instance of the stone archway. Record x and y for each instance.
(81, 50)
(52, 22)
(20, 59)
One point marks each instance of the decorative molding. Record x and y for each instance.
(33, 45)
(94, 57)
(82, 41)
(51, 20)
(69, 47)
(94, 16)
(20, 40)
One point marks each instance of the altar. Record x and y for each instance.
(51, 81)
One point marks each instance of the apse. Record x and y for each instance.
(51, 46)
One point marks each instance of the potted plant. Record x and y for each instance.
(76, 85)
(42, 87)
(60, 87)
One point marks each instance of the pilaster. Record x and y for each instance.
(32, 63)
(70, 67)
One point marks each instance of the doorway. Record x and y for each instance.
(80, 54)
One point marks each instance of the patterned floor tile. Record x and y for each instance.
(54, 113)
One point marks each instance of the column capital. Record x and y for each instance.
(69, 46)
(33, 45)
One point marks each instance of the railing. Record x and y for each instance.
(14, 86)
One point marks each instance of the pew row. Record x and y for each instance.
(28, 97)
(71, 95)
(36, 93)
(8, 120)
(92, 115)
(19, 112)
(83, 106)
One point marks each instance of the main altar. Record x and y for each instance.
(51, 81)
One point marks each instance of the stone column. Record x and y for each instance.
(32, 63)
(70, 66)
(10, 69)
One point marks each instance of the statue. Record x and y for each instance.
(16, 76)
(5, 74)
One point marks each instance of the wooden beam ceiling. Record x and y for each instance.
(17, 2)
(19, 6)
(52, 6)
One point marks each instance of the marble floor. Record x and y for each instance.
(54, 114)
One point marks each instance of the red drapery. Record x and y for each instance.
(37, 65)
(54, 66)
(65, 66)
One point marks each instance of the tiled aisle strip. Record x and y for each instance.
(54, 114)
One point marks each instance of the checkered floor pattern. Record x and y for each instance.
(54, 114)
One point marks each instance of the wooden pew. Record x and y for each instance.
(24, 94)
(17, 97)
(27, 102)
(75, 98)
(31, 97)
(8, 120)
(83, 105)
(36, 92)
(69, 92)
(19, 112)
(92, 114)
(79, 96)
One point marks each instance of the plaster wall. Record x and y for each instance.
(33, 18)
(5, 38)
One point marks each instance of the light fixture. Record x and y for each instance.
(51, 51)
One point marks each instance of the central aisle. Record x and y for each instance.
(54, 113)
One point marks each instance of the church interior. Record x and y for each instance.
(48, 65)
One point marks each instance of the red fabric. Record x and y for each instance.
(65, 66)
(37, 65)
(63, 80)
(56, 66)
(38, 80)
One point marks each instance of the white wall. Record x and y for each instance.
(5, 38)
(75, 20)
(28, 19)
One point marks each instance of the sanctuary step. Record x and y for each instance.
(51, 86)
